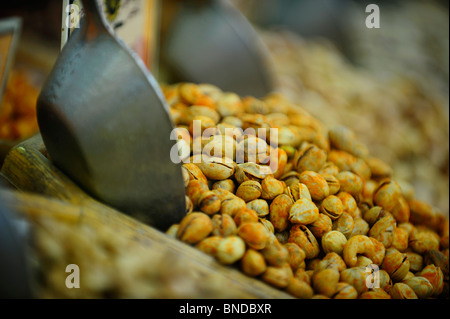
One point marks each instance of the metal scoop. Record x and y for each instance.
(105, 123)
(210, 41)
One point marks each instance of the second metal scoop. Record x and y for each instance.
(105, 123)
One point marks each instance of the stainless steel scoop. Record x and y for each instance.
(105, 123)
(210, 41)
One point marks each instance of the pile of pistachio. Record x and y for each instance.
(329, 222)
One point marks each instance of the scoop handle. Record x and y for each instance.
(93, 18)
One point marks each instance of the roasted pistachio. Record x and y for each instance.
(209, 203)
(253, 263)
(325, 281)
(275, 254)
(245, 215)
(321, 226)
(231, 205)
(344, 224)
(278, 276)
(396, 265)
(299, 289)
(209, 245)
(317, 185)
(435, 277)
(332, 207)
(194, 227)
(402, 291)
(296, 255)
(249, 190)
(422, 240)
(195, 190)
(303, 212)
(361, 227)
(350, 183)
(223, 225)
(230, 250)
(279, 212)
(333, 241)
(226, 184)
(421, 286)
(333, 183)
(215, 168)
(375, 294)
(331, 260)
(255, 235)
(355, 276)
(302, 236)
(345, 291)
(348, 203)
(309, 158)
(400, 239)
(260, 206)
(271, 188)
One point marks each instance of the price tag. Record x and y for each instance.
(135, 22)
(9, 36)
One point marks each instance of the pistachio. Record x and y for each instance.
(317, 185)
(375, 294)
(245, 215)
(422, 240)
(302, 236)
(279, 212)
(279, 276)
(230, 250)
(332, 207)
(350, 183)
(226, 184)
(309, 158)
(400, 239)
(396, 265)
(421, 286)
(333, 183)
(348, 203)
(344, 224)
(333, 241)
(303, 212)
(402, 291)
(416, 261)
(379, 168)
(194, 173)
(325, 281)
(209, 203)
(321, 226)
(271, 188)
(194, 228)
(195, 190)
(216, 168)
(275, 254)
(251, 171)
(231, 205)
(260, 206)
(299, 191)
(355, 276)
(223, 225)
(253, 263)
(299, 289)
(345, 291)
(435, 277)
(209, 245)
(249, 190)
(255, 235)
(296, 255)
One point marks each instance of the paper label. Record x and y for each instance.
(133, 21)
